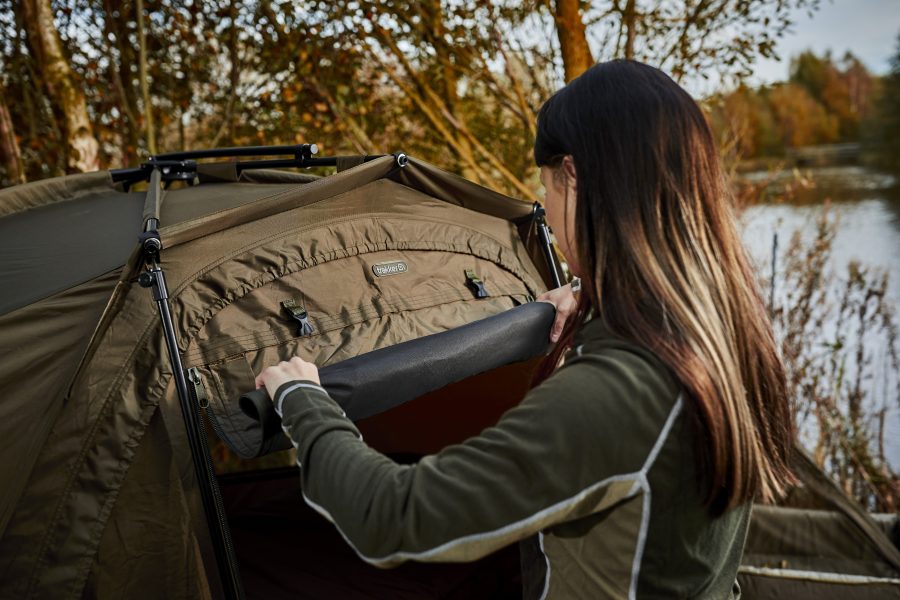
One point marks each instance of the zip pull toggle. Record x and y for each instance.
(477, 286)
(199, 389)
(299, 314)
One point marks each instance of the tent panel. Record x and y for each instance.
(190, 203)
(148, 549)
(24, 197)
(41, 347)
(52, 248)
(811, 540)
(62, 232)
(428, 179)
(78, 470)
(310, 250)
(778, 584)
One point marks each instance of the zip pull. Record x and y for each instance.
(299, 314)
(199, 390)
(476, 284)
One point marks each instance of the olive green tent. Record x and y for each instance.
(100, 496)
(99, 493)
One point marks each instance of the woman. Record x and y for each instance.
(628, 472)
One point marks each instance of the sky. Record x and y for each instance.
(867, 28)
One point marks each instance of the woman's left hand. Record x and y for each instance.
(295, 369)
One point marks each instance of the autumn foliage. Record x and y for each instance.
(455, 82)
(824, 101)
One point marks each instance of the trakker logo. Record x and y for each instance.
(393, 267)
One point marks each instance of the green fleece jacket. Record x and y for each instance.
(594, 472)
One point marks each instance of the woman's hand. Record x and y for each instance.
(293, 370)
(563, 298)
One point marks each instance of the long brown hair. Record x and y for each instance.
(664, 266)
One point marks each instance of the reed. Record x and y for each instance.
(838, 335)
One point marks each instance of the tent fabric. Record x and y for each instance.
(50, 191)
(50, 248)
(818, 485)
(41, 345)
(383, 379)
(821, 541)
(83, 227)
(783, 584)
(101, 420)
(810, 554)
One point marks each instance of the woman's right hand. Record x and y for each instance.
(563, 299)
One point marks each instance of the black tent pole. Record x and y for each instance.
(155, 279)
(537, 214)
(210, 495)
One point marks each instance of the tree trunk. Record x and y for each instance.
(576, 53)
(149, 129)
(119, 75)
(81, 145)
(228, 129)
(629, 19)
(10, 158)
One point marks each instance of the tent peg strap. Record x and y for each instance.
(538, 216)
(155, 279)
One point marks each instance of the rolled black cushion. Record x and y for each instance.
(377, 381)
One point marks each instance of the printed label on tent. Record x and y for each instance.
(393, 267)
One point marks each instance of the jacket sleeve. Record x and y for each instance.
(575, 445)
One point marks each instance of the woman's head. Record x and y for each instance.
(638, 204)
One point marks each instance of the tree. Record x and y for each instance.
(10, 157)
(456, 82)
(149, 129)
(884, 127)
(801, 119)
(690, 38)
(573, 44)
(843, 89)
(81, 145)
(745, 125)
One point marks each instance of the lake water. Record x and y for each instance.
(867, 205)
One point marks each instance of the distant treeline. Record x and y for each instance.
(824, 101)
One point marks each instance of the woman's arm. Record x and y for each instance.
(559, 455)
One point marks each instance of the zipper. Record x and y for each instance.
(199, 395)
